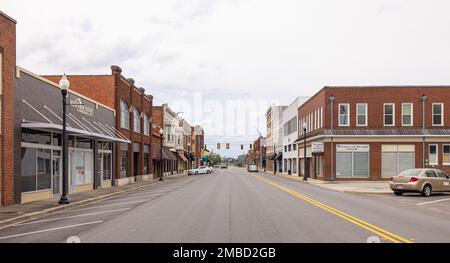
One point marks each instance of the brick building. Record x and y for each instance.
(133, 120)
(373, 133)
(198, 137)
(7, 69)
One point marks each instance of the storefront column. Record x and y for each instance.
(97, 176)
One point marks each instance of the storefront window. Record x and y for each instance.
(84, 167)
(446, 154)
(433, 155)
(396, 159)
(123, 164)
(37, 137)
(352, 161)
(36, 169)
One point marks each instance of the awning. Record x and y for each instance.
(279, 156)
(168, 155)
(51, 127)
(273, 156)
(182, 157)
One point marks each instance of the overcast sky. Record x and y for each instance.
(254, 51)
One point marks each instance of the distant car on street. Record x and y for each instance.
(252, 168)
(224, 166)
(200, 170)
(424, 181)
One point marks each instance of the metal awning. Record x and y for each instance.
(273, 156)
(52, 127)
(168, 155)
(182, 157)
(278, 156)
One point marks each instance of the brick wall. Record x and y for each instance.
(8, 51)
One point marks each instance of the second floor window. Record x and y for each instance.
(389, 114)
(407, 114)
(124, 115)
(344, 115)
(137, 121)
(438, 114)
(361, 114)
(146, 125)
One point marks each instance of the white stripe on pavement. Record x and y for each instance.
(68, 217)
(134, 197)
(50, 229)
(144, 194)
(432, 202)
(102, 206)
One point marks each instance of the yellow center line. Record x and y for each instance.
(361, 223)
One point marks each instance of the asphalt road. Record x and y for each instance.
(235, 206)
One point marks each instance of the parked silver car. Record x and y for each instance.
(425, 181)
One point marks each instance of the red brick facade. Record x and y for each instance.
(316, 113)
(110, 90)
(8, 63)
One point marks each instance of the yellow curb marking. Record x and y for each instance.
(361, 223)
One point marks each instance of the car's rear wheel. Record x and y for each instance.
(398, 193)
(427, 190)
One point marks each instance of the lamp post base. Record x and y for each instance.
(64, 200)
(161, 179)
(305, 179)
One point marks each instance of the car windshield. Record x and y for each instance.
(411, 173)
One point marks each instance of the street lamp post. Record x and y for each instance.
(64, 84)
(305, 177)
(161, 175)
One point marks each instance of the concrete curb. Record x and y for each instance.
(37, 214)
(361, 192)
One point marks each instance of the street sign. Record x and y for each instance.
(317, 147)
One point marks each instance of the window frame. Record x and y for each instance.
(412, 114)
(433, 114)
(366, 114)
(393, 114)
(443, 153)
(339, 114)
(137, 124)
(124, 118)
(437, 154)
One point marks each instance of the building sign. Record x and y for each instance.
(317, 147)
(81, 108)
(352, 148)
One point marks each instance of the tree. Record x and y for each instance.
(215, 159)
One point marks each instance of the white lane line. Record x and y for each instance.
(432, 202)
(50, 229)
(68, 217)
(102, 206)
(144, 194)
(135, 197)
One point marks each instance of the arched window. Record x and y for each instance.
(146, 125)
(137, 121)
(124, 115)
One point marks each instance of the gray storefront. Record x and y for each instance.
(38, 151)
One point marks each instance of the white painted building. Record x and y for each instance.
(290, 135)
(274, 139)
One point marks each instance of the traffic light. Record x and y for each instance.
(218, 146)
(242, 147)
(251, 146)
(228, 146)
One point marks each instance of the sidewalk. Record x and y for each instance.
(354, 187)
(20, 212)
